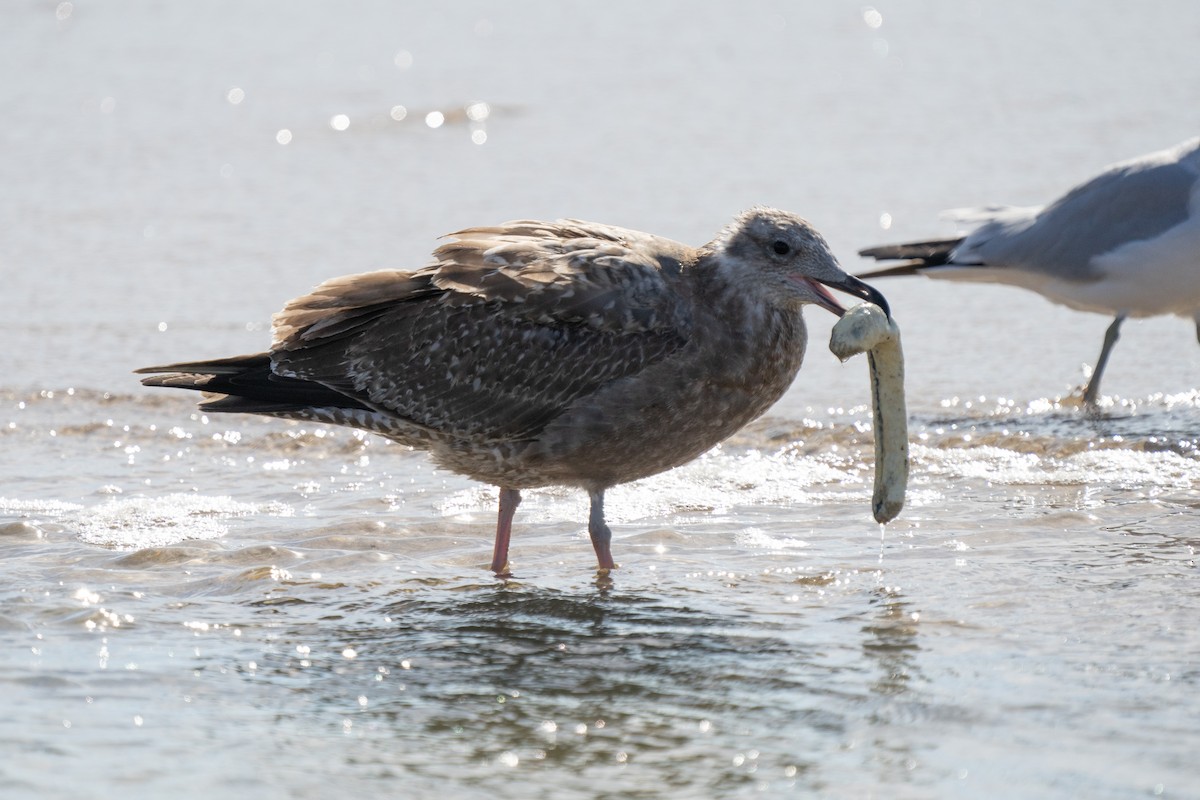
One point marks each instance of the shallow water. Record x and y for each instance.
(192, 604)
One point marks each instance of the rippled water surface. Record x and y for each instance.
(196, 604)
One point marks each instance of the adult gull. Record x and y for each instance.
(1125, 243)
(542, 353)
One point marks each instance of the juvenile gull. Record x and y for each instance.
(539, 353)
(1125, 243)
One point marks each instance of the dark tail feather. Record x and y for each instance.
(907, 268)
(933, 253)
(248, 384)
(217, 366)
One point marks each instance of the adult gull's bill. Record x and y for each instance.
(539, 353)
(1125, 243)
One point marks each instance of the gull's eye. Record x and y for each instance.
(781, 247)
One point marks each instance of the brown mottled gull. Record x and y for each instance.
(539, 353)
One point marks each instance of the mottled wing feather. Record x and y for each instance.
(606, 277)
(503, 333)
(341, 304)
(469, 372)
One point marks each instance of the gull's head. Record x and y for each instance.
(784, 256)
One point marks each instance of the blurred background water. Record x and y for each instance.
(194, 604)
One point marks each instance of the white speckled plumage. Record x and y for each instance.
(536, 353)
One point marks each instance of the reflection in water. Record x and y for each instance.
(891, 640)
(506, 676)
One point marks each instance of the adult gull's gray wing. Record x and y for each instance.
(1135, 200)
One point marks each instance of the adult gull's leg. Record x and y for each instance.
(509, 500)
(599, 531)
(1110, 338)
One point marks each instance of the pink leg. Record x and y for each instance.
(509, 500)
(599, 531)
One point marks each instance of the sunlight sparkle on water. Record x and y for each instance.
(478, 112)
(86, 596)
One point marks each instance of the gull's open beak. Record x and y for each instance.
(852, 285)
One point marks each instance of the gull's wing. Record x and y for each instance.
(504, 331)
(1133, 201)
